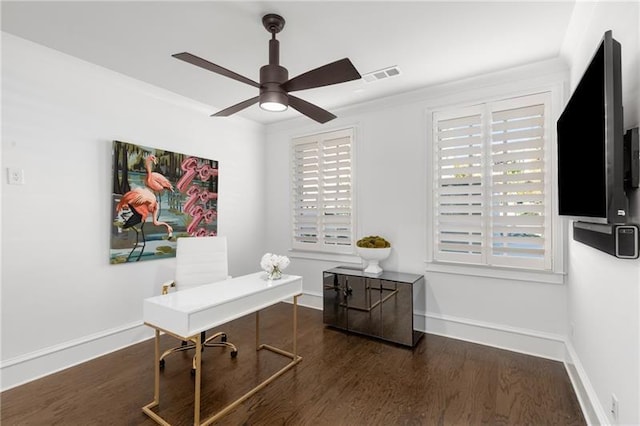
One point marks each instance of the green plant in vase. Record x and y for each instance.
(373, 249)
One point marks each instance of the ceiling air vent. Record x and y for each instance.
(381, 74)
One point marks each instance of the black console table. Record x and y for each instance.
(376, 305)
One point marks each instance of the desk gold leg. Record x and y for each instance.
(196, 402)
(295, 327)
(257, 330)
(156, 391)
(147, 409)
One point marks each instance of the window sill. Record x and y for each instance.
(329, 257)
(494, 272)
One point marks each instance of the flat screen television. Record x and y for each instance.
(590, 142)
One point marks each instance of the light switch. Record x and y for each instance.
(15, 176)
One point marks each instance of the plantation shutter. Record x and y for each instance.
(520, 206)
(306, 193)
(459, 193)
(491, 197)
(322, 192)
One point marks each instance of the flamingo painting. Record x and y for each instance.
(177, 193)
(140, 202)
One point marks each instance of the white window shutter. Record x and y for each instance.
(322, 192)
(306, 193)
(459, 193)
(520, 214)
(491, 178)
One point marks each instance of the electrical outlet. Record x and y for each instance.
(15, 176)
(614, 407)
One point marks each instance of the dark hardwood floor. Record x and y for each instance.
(342, 380)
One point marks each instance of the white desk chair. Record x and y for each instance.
(200, 260)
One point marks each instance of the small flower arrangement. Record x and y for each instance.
(273, 265)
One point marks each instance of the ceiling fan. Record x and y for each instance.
(275, 84)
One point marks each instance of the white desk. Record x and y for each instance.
(185, 314)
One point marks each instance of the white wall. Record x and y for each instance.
(392, 161)
(62, 302)
(604, 292)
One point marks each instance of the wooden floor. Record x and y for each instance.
(342, 380)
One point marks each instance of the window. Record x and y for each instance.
(491, 191)
(322, 192)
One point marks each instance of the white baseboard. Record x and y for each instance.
(311, 300)
(593, 411)
(34, 365)
(531, 342)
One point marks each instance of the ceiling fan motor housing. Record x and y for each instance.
(271, 77)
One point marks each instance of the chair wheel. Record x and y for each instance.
(234, 354)
(223, 338)
(161, 364)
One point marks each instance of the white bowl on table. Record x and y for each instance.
(374, 256)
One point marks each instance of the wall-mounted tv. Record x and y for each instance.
(590, 142)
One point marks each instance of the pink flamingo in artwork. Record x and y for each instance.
(141, 202)
(156, 181)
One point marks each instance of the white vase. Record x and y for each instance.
(374, 256)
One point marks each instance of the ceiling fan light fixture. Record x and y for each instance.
(274, 101)
(273, 106)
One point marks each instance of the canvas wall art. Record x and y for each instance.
(158, 196)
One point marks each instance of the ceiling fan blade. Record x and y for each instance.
(203, 63)
(336, 72)
(310, 110)
(237, 107)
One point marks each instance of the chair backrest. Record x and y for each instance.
(200, 260)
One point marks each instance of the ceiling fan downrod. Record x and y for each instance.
(272, 96)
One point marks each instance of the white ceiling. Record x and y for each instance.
(431, 42)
